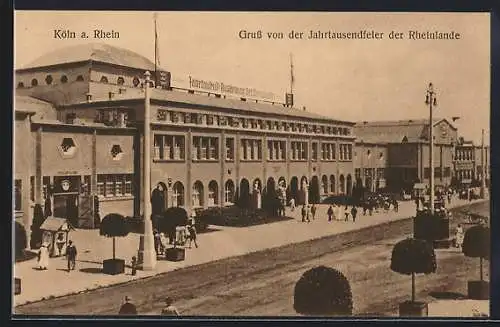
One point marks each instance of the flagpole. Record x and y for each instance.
(291, 73)
(156, 50)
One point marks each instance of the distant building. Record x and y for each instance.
(468, 164)
(395, 154)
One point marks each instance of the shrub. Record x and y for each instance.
(114, 225)
(412, 256)
(323, 291)
(477, 244)
(36, 233)
(20, 241)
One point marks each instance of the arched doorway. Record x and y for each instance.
(197, 196)
(342, 184)
(324, 184)
(178, 195)
(369, 183)
(270, 193)
(282, 189)
(257, 194)
(349, 185)
(244, 197)
(332, 184)
(213, 194)
(229, 192)
(314, 190)
(304, 192)
(294, 188)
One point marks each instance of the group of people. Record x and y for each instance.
(188, 236)
(44, 255)
(128, 308)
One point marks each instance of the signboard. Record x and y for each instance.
(163, 79)
(222, 88)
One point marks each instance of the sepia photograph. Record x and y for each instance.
(251, 164)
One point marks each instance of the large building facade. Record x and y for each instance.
(79, 137)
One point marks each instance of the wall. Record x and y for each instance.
(123, 206)
(106, 164)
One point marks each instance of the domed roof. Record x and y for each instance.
(93, 51)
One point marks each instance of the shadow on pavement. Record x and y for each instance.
(447, 295)
(26, 255)
(92, 270)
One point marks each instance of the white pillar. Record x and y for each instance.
(148, 254)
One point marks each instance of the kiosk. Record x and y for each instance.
(55, 232)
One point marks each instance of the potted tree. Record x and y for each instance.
(114, 225)
(477, 245)
(323, 291)
(172, 218)
(36, 233)
(409, 257)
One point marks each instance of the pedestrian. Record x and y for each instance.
(128, 308)
(459, 236)
(304, 212)
(354, 212)
(292, 204)
(133, 265)
(346, 213)
(308, 214)
(313, 211)
(370, 208)
(169, 309)
(330, 213)
(157, 242)
(396, 205)
(43, 257)
(191, 233)
(365, 207)
(71, 253)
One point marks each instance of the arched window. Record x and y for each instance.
(120, 81)
(20, 85)
(104, 79)
(178, 195)
(229, 192)
(136, 81)
(197, 197)
(213, 194)
(324, 183)
(48, 79)
(34, 82)
(79, 78)
(64, 79)
(332, 183)
(342, 184)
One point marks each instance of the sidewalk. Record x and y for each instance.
(219, 243)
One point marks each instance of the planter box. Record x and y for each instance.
(413, 309)
(17, 286)
(478, 290)
(175, 254)
(113, 266)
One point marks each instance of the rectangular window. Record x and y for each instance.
(314, 153)
(17, 195)
(110, 185)
(229, 149)
(100, 185)
(168, 147)
(251, 149)
(128, 185)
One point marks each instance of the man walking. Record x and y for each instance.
(354, 212)
(304, 212)
(169, 309)
(313, 211)
(71, 253)
(330, 213)
(128, 308)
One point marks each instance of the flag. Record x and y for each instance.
(292, 77)
(157, 52)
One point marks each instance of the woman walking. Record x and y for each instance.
(43, 257)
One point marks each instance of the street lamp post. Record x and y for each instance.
(147, 240)
(430, 100)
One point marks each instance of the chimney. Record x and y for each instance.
(111, 95)
(89, 97)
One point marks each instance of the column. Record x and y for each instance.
(188, 187)
(222, 161)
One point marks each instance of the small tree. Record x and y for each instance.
(171, 218)
(477, 244)
(323, 291)
(412, 256)
(114, 225)
(20, 241)
(36, 233)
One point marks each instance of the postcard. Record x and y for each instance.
(251, 164)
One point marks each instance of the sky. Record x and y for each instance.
(353, 80)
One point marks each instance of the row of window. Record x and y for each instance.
(237, 122)
(371, 172)
(197, 194)
(49, 79)
(172, 147)
(464, 155)
(114, 185)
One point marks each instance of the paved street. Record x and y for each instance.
(219, 244)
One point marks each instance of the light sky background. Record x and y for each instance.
(354, 80)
